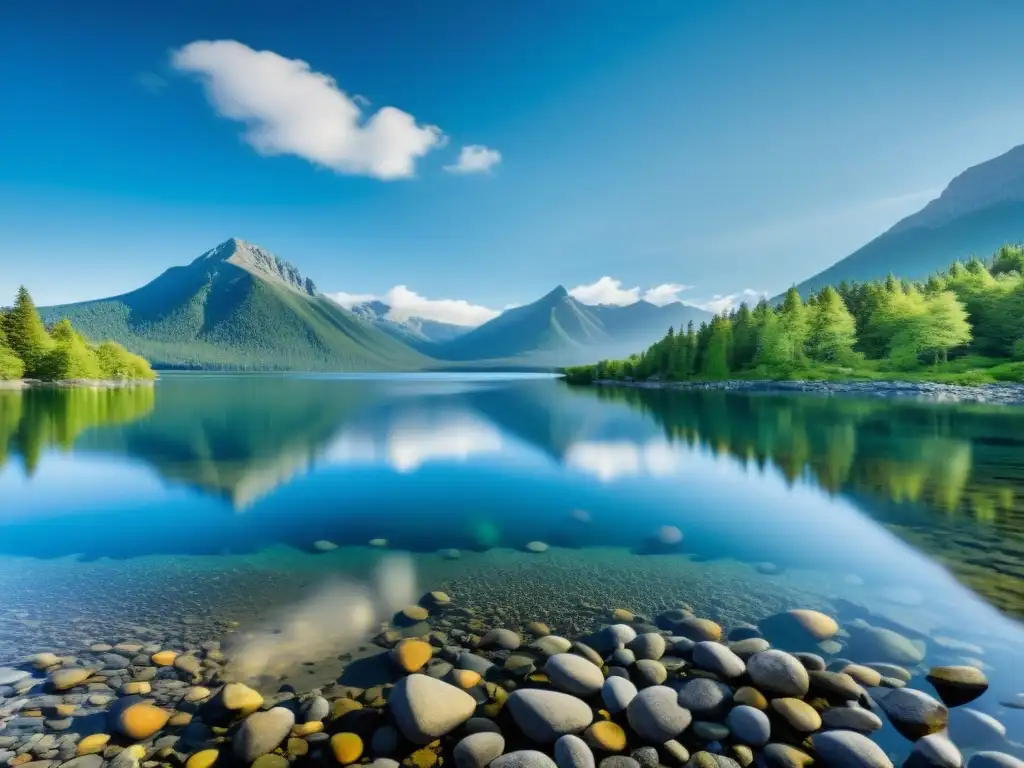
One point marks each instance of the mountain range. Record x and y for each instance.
(980, 210)
(238, 306)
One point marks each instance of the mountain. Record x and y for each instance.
(980, 210)
(417, 332)
(238, 306)
(560, 330)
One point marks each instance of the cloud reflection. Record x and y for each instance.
(410, 442)
(611, 460)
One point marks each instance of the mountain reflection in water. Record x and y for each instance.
(476, 462)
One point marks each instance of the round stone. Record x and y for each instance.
(851, 719)
(778, 672)
(503, 639)
(465, 678)
(836, 685)
(785, 756)
(414, 613)
(749, 725)
(572, 752)
(138, 719)
(69, 677)
(538, 629)
(93, 743)
(669, 535)
(958, 685)
(273, 761)
(880, 643)
(656, 716)
(619, 761)
(574, 674)
(706, 731)
(751, 697)
(550, 645)
(847, 749)
(606, 736)
(537, 547)
(616, 693)
(800, 715)
(937, 750)
(478, 750)
(346, 747)
(238, 697)
(607, 639)
(872, 678)
(262, 732)
(697, 629)
(524, 758)
(814, 623)
(203, 759)
(164, 658)
(426, 708)
(545, 715)
(717, 658)
(705, 699)
(650, 672)
(914, 713)
(648, 645)
(323, 545)
(411, 655)
(994, 760)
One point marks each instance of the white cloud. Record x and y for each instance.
(406, 303)
(719, 303)
(475, 158)
(349, 300)
(666, 293)
(289, 109)
(607, 290)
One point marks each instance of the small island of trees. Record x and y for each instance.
(28, 350)
(964, 325)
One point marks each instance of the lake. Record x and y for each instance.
(211, 504)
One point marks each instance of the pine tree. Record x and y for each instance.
(26, 334)
(832, 329)
(793, 321)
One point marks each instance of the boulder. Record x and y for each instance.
(426, 708)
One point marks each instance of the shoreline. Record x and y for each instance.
(440, 680)
(992, 394)
(21, 384)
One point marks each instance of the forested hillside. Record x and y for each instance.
(964, 324)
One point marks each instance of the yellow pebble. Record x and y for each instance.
(305, 729)
(347, 747)
(606, 735)
(142, 720)
(66, 710)
(297, 747)
(411, 654)
(465, 678)
(93, 744)
(164, 658)
(240, 698)
(136, 687)
(179, 719)
(137, 751)
(203, 759)
(342, 707)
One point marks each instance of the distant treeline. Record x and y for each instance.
(965, 324)
(29, 350)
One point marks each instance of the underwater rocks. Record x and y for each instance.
(456, 685)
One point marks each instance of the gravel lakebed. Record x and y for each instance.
(449, 681)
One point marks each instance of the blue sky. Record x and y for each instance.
(720, 145)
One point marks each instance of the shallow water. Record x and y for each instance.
(187, 508)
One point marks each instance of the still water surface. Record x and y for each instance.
(195, 505)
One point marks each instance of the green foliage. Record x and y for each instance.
(963, 325)
(26, 334)
(27, 349)
(11, 366)
(833, 331)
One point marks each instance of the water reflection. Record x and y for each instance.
(475, 464)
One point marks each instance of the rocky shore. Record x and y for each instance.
(438, 686)
(994, 394)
